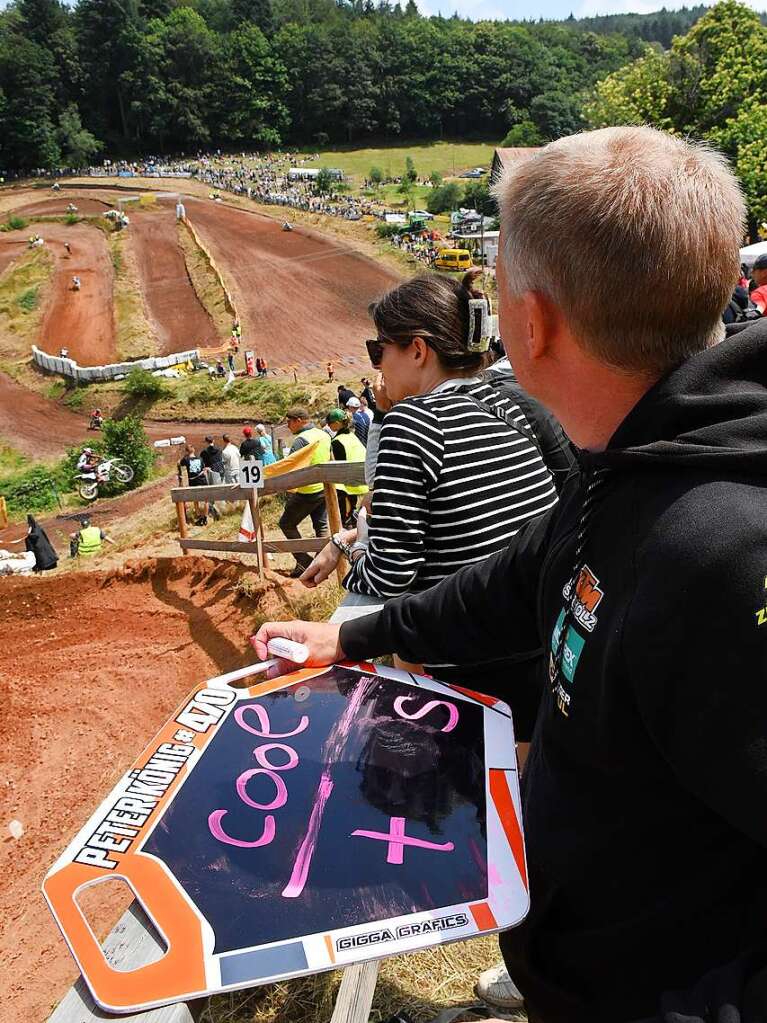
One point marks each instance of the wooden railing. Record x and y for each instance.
(328, 474)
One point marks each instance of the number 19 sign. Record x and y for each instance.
(251, 473)
(305, 823)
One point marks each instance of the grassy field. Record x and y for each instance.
(21, 301)
(447, 158)
(135, 337)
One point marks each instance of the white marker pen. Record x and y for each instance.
(286, 648)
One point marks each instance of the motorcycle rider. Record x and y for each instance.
(75, 283)
(89, 462)
(97, 419)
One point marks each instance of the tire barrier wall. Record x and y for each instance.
(89, 374)
(227, 294)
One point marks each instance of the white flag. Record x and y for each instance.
(247, 533)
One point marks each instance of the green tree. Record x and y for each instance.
(27, 82)
(524, 134)
(323, 183)
(410, 174)
(376, 177)
(477, 195)
(636, 94)
(446, 197)
(435, 179)
(250, 80)
(78, 146)
(555, 114)
(253, 12)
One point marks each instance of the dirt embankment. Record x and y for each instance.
(92, 664)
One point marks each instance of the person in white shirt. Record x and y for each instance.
(231, 457)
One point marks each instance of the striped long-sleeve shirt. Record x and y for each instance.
(454, 483)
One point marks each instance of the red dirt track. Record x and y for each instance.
(302, 297)
(180, 320)
(56, 206)
(80, 698)
(81, 321)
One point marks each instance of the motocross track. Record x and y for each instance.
(57, 206)
(301, 297)
(79, 702)
(82, 321)
(41, 428)
(180, 320)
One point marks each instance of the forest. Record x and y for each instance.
(137, 77)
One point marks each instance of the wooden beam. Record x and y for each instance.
(355, 996)
(334, 520)
(132, 943)
(308, 546)
(328, 472)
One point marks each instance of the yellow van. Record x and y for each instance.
(453, 259)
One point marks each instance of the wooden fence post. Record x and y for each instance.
(334, 521)
(255, 515)
(181, 514)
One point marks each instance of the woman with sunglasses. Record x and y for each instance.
(458, 472)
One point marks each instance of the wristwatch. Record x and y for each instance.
(344, 548)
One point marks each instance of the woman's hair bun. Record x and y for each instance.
(469, 282)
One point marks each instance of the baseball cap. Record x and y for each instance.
(353, 403)
(296, 413)
(336, 415)
(760, 263)
(247, 431)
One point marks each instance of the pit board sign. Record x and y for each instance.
(302, 824)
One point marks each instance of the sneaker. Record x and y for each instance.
(496, 987)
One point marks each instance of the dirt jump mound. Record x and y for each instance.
(93, 664)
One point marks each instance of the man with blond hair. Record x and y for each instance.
(646, 784)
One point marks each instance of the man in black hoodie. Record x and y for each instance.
(645, 791)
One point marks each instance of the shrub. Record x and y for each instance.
(126, 439)
(71, 218)
(387, 230)
(76, 398)
(28, 300)
(33, 490)
(14, 223)
(141, 384)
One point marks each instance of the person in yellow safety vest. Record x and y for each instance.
(86, 542)
(308, 501)
(346, 447)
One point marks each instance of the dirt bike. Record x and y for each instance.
(88, 482)
(95, 422)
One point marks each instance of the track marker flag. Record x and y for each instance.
(247, 533)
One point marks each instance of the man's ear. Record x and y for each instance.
(542, 323)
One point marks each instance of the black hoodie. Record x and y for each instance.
(645, 793)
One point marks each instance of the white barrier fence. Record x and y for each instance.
(88, 374)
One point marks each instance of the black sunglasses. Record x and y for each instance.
(375, 347)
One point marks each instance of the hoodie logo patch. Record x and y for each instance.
(588, 597)
(761, 614)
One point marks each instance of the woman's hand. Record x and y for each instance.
(383, 401)
(321, 639)
(323, 566)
